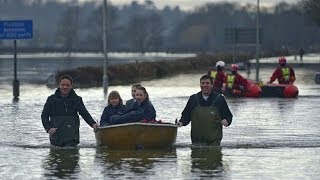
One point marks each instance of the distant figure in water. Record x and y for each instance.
(301, 52)
(248, 64)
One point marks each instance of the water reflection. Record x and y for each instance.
(207, 161)
(62, 163)
(132, 163)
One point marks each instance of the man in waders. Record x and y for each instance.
(60, 115)
(208, 111)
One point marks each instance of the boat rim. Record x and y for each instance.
(139, 123)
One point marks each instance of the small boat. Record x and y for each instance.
(253, 90)
(256, 90)
(137, 135)
(279, 90)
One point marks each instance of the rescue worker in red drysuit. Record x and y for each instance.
(218, 75)
(234, 84)
(284, 73)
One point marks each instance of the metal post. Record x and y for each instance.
(257, 41)
(105, 50)
(15, 82)
(235, 41)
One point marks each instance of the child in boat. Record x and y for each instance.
(115, 107)
(143, 102)
(140, 110)
(130, 102)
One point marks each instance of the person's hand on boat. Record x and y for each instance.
(223, 89)
(52, 131)
(224, 122)
(95, 127)
(179, 124)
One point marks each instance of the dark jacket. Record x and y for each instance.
(129, 103)
(149, 113)
(221, 104)
(110, 111)
(72, 105)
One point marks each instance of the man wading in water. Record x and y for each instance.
(208, 111)
(60, 115)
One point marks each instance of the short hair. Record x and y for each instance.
(115, 94)
(66, 77)
(207, 77)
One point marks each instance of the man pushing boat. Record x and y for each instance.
(207, 111)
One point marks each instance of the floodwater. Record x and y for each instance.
(270, 138)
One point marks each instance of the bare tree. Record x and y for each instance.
(312, 8)
(137, 33)
(67, 30)
(154, 38)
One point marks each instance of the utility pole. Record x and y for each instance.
(257, 41)
(105, 49)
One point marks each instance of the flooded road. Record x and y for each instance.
(270, 138)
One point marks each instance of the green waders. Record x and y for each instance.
(206, 127)
(67, 133)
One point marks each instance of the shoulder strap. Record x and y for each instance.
(197, 99)
(215, 100)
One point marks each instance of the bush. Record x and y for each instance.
(122, 74)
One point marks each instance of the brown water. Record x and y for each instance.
(270, 138)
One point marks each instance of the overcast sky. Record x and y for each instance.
(190, 4)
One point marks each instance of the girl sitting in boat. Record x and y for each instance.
(115, 107)
(130, 102)
(143, 102)
(141, 110)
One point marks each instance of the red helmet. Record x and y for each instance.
(234, 67)
(282, 60)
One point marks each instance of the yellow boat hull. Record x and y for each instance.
(137, 135)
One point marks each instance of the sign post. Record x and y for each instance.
(16, 29)
(105, 49)
(244, 35)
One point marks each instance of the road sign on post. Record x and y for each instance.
(240, 36)
(20, 29)
(16, 29)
